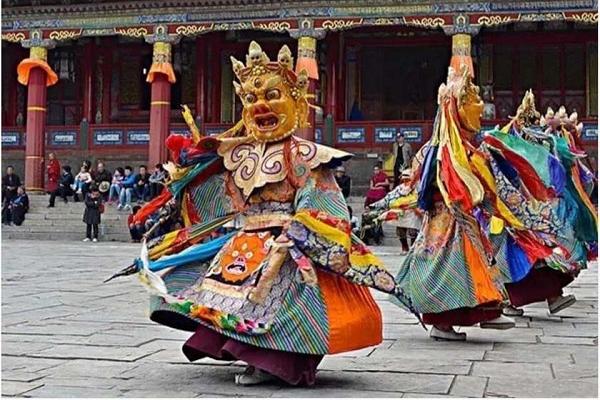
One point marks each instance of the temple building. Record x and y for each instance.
(105, 80)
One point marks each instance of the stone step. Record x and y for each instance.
(37, 215)
(74, 236)
(46, 198)
(64, 222)
(76, 207)
(65, 228)
(59, 204)
(68, 228)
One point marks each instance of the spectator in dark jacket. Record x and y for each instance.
(10, 183)
(135, 230)
(343, 181)
(64, 186)
(18, 207)
(102, 175)
(91, 215)
(142, 184)
(157, 180)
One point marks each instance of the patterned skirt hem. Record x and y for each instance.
(292, 368)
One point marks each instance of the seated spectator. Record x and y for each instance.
(163, 221)
(102, 175)
(127, 189)
(88, 164)
(18, 207)
(343, 181)
(82, 182)
(116, 185)
(64, 186)
(10, 183)
(157, 180)
(142, 184)
(135, 230)
(379, 186)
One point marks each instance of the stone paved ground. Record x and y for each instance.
(65, 334)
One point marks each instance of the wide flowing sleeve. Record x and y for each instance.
(321, 232)
(198, 184)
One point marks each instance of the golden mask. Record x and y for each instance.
(470, 105)
(272, 94)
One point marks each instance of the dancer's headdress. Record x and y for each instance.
(527, 114)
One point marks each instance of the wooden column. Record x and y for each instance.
(461, 52)
(201, 65)
(160, 113)
(307, 60)
(35, 128)
(160, 76)
(37, 75)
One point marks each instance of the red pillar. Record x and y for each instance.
(160, 112)
(309, 132)
(35, 130)
(307, 60)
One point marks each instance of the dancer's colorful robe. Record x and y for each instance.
(292, 284)
(448, 273)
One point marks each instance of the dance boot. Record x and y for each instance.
(252, 376)
(512, 311)
(560, 303)
(501, 322)
(450, 334)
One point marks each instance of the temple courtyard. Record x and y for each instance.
(66, 334)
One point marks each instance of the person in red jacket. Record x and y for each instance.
(53, 172)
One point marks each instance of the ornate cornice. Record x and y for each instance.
(298, 17)
(14, 37)
(36, 39)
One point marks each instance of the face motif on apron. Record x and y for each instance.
(242, 257)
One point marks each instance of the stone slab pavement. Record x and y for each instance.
(65, 334)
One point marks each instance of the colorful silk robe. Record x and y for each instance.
(450, 264)
(293, 278)
(550, 221)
